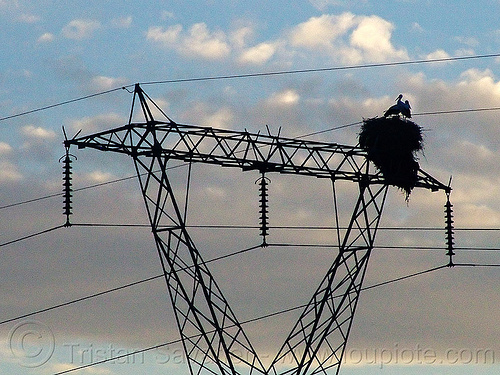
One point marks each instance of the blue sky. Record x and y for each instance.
(57, 51)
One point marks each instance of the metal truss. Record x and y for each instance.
(318, 339)
(212, 337)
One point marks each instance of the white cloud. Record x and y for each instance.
(29, 18)
(9, 4)
(465, 52)
(288, 97)
(344, 37)
(348, 37)
(221, 118)
(46, 38)
(96, 123)
(468, 41)
(323, 4)
(373, 38)
(122, 22)
(37, 132)
(103, 83)
(99, 176)
(258, 54)
(437, 54)
(166, 15)
(205, 115)
(481, 85)
(319, 32)
(5, 148)
(80, 29)
(9, 172)
(202, 42)
(168, 36)
(240, 36)
(416, 27)
(199, 41)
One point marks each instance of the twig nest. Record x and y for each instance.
(392, 145)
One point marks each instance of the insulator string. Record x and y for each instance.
(67, 186)
(264, 212)
(450, 241)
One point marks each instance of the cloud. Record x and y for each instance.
(5, 148)
(258, 54)
(9, 4)
(46, 38)
(480, 86)
(240, 36)
(103, 83)
(373, 38)
(9, 173)
(168, 37)
(99, 177)
(199, 41)
(166, 15)
(343, 37)
(323, 4)
(437, 54)
(80, 29)
(288, 97)
(37, 132)
(416, 27)
(122, 22)
(29, 18)
(96, 123)
(348, 37)
(322, 31)
(468, 41)
(219, 118)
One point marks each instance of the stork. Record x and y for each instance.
(406, 110)
(399, 108)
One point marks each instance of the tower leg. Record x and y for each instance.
(318, 340)
(212, 337)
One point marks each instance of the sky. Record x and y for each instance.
(440, 323)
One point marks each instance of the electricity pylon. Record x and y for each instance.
(213, 339)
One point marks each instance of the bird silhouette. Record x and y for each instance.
(406, 110)
(399, 108)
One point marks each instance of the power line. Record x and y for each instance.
(81, 299)
(247, 250)
(263, 74)
(266, 316)
(60, 104)
(291, 227)
(81, 189)
(32, 235)
(238, 252)
(177, 166)
(405, 277)
(457, 111)
(327, 69)
(476, 265)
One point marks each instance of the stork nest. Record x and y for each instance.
(392, 145)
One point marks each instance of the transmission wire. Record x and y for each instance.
(253, 75)
(238, 252)
(262, 317)
(32, 235)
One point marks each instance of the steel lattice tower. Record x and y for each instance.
(213, 339)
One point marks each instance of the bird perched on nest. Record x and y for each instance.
(399, 108)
